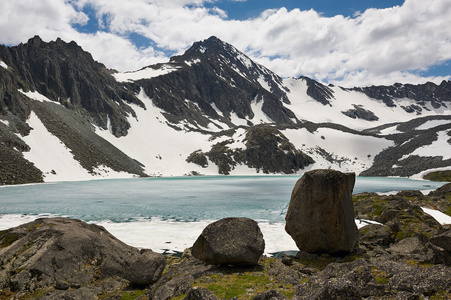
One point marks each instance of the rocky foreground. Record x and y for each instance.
(406, 256)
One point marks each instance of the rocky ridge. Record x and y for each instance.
(211, 93)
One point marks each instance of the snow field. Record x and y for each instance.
(55, 160)
(359, 149)
(309, 109)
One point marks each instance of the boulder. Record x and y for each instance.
(443, 240)
(146, 269)
(67, 253)
(320, 216)
(230, 241)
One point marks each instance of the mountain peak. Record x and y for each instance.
(210, 46)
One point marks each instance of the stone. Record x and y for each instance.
(230, 241)
(333, 288)
(146, 269)
(320, 217)
(65, 252)
(443, 241)
(270, 295)
(199, 293)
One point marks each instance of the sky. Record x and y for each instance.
(347, 43)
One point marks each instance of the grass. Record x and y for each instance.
(439, 176)
(6, 238)
(379, 276)
(243, 285)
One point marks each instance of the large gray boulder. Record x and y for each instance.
(230, 241)
(320, 216)
(68, 253)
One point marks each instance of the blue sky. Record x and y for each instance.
(249, 9)
(347, 43)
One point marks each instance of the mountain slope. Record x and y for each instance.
(212, 110)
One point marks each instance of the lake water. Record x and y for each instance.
(168, 214)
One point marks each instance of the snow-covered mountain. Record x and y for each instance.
(212, 110)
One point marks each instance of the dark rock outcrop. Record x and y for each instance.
(435, 95)
(267, 150)
(318, 91)
(320, 216)
(68, 253)
(360, 113)
(65, 73)
(230, 241)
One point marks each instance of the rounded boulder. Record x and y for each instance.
(230, 241)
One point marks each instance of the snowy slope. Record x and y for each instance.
(55, 160)
(308, 109)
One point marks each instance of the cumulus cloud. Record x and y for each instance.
(376, 46)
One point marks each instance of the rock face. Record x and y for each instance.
(230, 241)
(70, 253)
(320, 216)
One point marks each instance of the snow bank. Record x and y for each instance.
(438, 215)
(55, 160)
(37, 96)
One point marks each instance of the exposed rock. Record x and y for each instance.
(177, 286)
(318, 91)
(377, 234)
(320, 216)
(360, 113)
(199, 293)
(62, 252)
(146, 269)
(230, 241)
(270, 295)
(443, 241)
(334, 288)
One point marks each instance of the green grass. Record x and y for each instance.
(439, 176)
(6, 238)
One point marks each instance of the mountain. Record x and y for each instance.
(212, 110)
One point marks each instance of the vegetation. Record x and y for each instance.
(439, 176)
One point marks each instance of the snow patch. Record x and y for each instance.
(3, 65)
(259, 115)
(261, 80)
(6, 122)
(237, 120)
(440, 147)
(390, 130)
(432, 123)
(37, 96)
(438, 215)
(145, 73)
(218, 111)
(193, 62)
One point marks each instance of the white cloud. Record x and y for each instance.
(377, 46)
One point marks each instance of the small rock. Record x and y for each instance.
(199, 293)
(62, 285)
